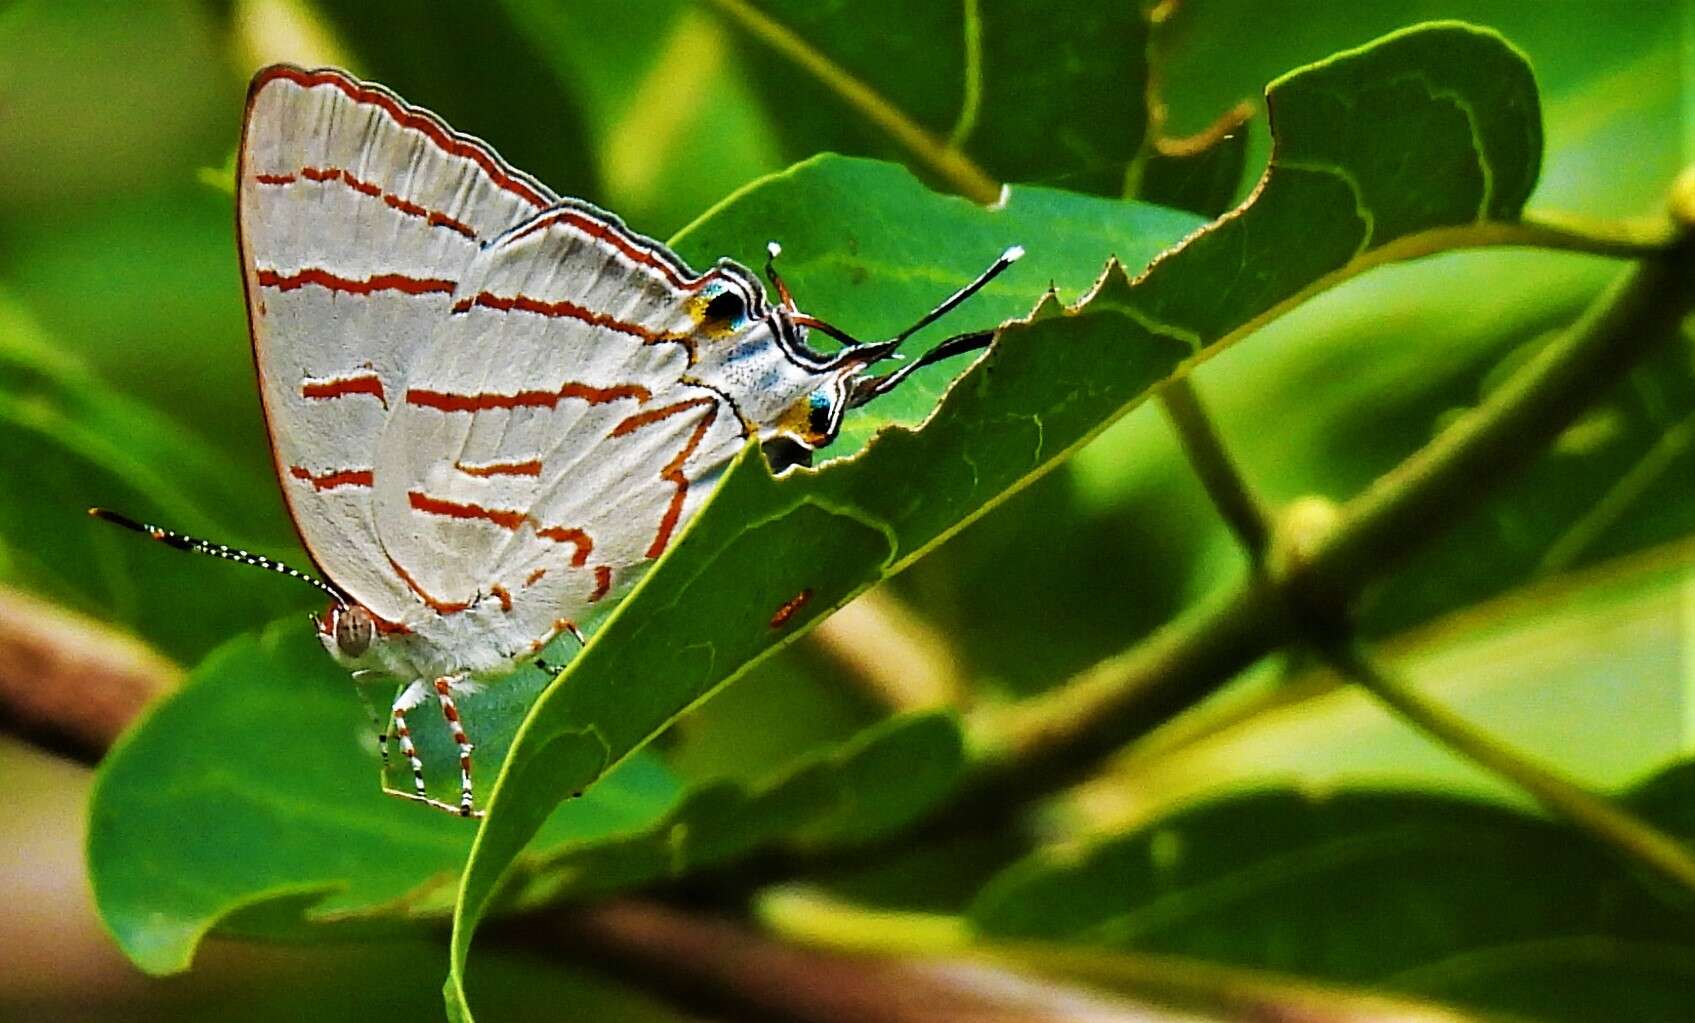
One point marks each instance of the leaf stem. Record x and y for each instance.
(947, 163)
(1599, 520)
(1623, 832)
(1443, 480)
(732, 971)
(1218, 472)
(1034, 744)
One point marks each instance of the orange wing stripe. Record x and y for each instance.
(529, 468)
(444, 401)
(364, 383)
(332, 480)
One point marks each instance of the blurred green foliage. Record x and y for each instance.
(1551, 614)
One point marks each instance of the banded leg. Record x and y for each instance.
(576, 634)
(444, 695)
(409, 697)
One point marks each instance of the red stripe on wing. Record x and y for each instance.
(673, 471)
(505, 519)
(445, 138)
(602, 582)
(332, 480)
(337, 387)
(566, 534)
(438, 606)
(337, 174)
(320, 278)
(601, 231)
(448, 402)
(435, 218)
(530, 468)
(502, 517)
(564, 310)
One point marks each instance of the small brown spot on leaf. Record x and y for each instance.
(790, 606)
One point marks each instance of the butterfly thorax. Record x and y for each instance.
(757, 357)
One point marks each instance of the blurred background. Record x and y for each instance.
(1557, 615)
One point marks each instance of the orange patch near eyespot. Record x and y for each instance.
(790, 607)
(602, 582)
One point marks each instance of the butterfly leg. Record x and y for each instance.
(379, 724)
(409, 697)
(576, 634)
(444, 694)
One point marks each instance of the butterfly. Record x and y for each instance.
(490, 406)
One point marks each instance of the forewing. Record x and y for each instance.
(547, 441)
(357, 216)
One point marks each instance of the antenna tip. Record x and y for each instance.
(773, 250)
(107, 515)
(1013, 254)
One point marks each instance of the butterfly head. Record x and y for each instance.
(348, 632)
(790, 395)
(755, 353)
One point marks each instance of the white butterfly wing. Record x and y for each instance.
(546, 440)
(357, 216)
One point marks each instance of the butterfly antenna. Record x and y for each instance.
(866, 353)
(196, 545)
(949, 304)
(772, 251)
(866, 388)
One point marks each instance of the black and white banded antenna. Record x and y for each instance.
(195, 545)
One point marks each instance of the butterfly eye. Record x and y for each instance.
(725, 308)
(818, 415)
(354, 630)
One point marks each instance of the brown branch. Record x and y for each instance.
(738, 973)
(71, 684)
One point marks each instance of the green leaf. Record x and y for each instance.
(703, 613)
(301, 846)
(441, 62)
(986, 79)
(1422, 894)
(71, 442)
(842, 795)
(248, 800)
